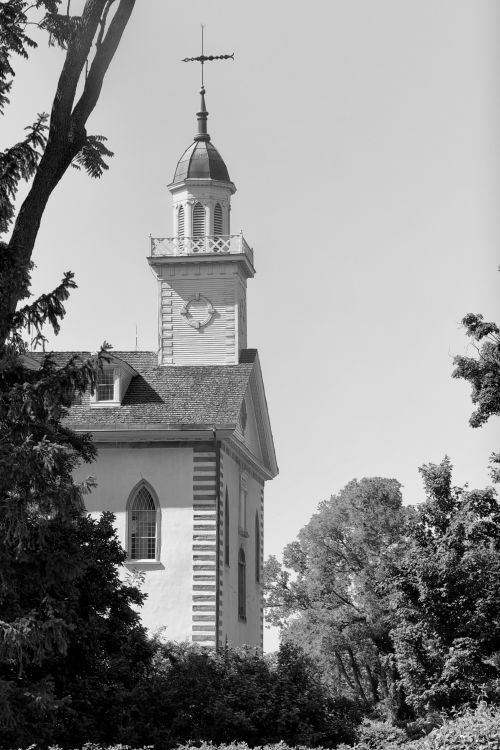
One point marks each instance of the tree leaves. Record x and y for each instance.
(482, 371)
(327, 597)
(445, 580)
(20, 163)
(91, 156)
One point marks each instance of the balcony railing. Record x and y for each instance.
(226, 244)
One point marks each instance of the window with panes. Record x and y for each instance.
(143, 526)
(242, 586)
(105, 388)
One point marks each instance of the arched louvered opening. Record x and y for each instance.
(218, 220)
(198, 220)
(242, 586)
(226, 529)
(180, 222)
(143, 526)
(257, 548)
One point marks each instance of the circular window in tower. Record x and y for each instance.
(198, 311)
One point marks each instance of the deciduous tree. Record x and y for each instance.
(326, 597)
(445, 581)
(483, 373)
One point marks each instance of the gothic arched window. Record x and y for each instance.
(257, 547)
(198, 220)
(218, 219)
(143, 525)
(226, 529)
(180, 222)
(242, 586)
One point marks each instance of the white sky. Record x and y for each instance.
(363, 137)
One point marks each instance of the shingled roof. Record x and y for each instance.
(181, 395)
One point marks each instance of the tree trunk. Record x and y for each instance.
(373, 683)
(343, 671)
(67, 135)
(357, 676)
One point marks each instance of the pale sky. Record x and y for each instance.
(363, 138)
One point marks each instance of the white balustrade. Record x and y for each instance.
(233, 244)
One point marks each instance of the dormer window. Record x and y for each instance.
(112, 383)
(105, 389)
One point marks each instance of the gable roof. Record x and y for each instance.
(175, 397)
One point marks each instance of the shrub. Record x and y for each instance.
(478, 729)
(373, 734)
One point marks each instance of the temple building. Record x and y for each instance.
(183, 434)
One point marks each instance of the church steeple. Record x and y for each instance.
(202, 270)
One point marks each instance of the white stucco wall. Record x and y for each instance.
(169, 471)
(240, 632)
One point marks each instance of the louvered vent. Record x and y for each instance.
(198, 221)
(180, 222)
(218, 219)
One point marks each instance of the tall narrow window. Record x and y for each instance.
(105, 389)
(257, 548)
(242, 586)
(226, 529)
(218, 219)
(198, 220)
(180, 222)
(242, 515)
(142, 524)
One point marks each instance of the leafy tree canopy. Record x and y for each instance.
(326, 593)
(445, 580)
(483, 370)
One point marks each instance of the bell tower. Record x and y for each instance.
(202, 270)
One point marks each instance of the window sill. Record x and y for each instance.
(103, 404)
(243, 533)
(143, 564)
(242, 619)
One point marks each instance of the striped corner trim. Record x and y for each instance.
(204, 548)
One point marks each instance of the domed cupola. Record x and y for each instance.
(201, 187)
(201, 161)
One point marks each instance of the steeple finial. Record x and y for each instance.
(202, 116)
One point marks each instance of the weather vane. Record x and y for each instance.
(204, 58)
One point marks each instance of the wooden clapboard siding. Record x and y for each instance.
(250, 437)
(215, 343)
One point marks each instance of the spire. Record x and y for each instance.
(202, 116)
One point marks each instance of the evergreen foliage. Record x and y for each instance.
(69, 633)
